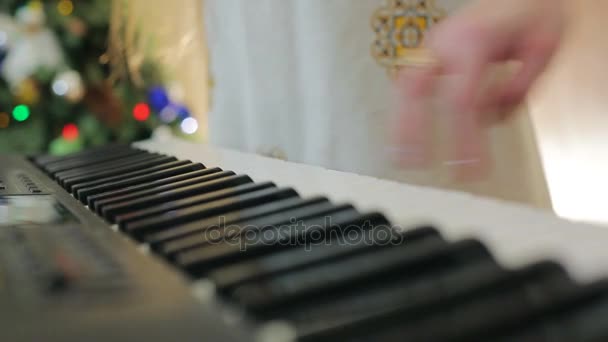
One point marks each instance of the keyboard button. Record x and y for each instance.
(202, 259)
(202, 185)
(331, 277)
(139, 229)
(160, 209)
(192, 234)
(379, 235)
(156, 177)
(231, 232)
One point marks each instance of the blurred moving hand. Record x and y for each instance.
(467, 47)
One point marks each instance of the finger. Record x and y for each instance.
(470, 156)
(412, 134)
(464, 50)
(534, 57)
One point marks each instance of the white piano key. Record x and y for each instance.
(516, 234)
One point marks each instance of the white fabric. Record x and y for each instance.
(296, 78)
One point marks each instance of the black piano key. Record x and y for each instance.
(282, 290)
(229, 277)
(118, 173)
(156, 177)
(160, 209)
(109, 166)
(195, 233)
(478, 320)
(110, 182)
(200, 260)
(54, 168)
(104, 167)
(229, 233)
(47, 159)
(160, 185)
(139, 229)
(175, 191)
(84, 193)
(463, 317)
(362, 301)
(580, 317)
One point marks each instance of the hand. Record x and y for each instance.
(467, 46)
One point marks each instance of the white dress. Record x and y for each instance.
(301, 80)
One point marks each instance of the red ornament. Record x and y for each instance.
(70, 132)
(141, 112)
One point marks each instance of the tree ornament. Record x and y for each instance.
(33, 46)
(158, 98)
(8, 33)
(27, 92)
(69, 84)
(32, 16)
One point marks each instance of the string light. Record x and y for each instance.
(21, 113)
(70, 132)
(189, 125)
(65, 7)
(141, 112)
(4, 120)
(60, 87)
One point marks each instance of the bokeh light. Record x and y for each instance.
(65, 7)
(21, 113)
(70, 132)
(189, 125)
(141, 112)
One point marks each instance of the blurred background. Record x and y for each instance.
(75, 74)
(80, 73)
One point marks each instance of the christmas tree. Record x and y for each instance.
(68, 80)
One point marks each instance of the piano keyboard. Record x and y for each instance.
(226, 257)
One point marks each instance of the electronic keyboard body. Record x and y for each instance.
(116, 292)
(124, 243)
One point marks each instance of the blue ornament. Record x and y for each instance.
(158, 98)
(182, 112)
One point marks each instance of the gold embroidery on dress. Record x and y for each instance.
(400, 27)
